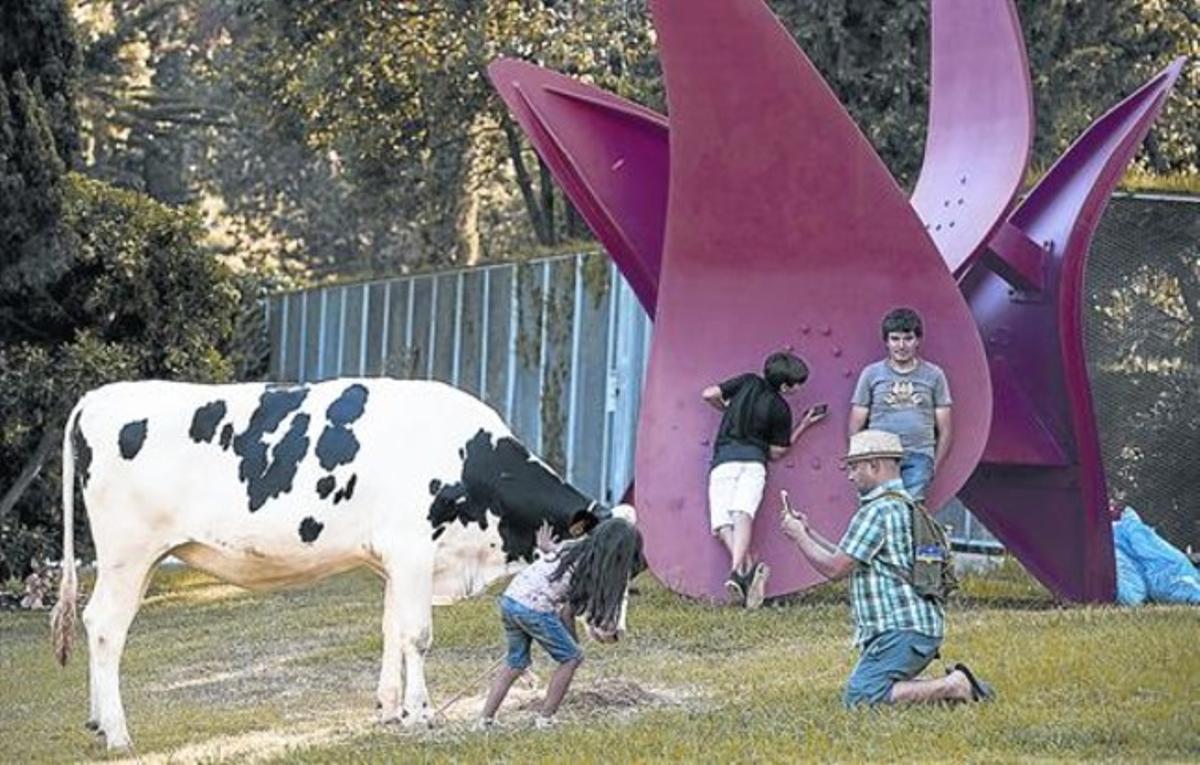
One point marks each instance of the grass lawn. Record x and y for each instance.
(214, 674)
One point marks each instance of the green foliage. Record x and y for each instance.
(140, 299)
(396, 98)
(37, 41)
(1084, 57)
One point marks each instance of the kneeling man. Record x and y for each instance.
(898, 631)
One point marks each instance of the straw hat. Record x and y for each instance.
(873, 444)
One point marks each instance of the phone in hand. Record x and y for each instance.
(787, 504)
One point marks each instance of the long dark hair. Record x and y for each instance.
(602, 566)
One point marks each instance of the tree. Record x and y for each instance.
(398, 94)
(96, 284)
(142, 299)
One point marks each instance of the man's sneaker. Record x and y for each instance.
(758, 584)
(735, 585)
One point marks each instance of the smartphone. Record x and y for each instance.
(787, 503)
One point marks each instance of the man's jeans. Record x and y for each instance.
(916, 471)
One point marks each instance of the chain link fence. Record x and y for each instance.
(1143, 348)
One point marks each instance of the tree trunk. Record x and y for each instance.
(524, 181)
(576, 227)
(547, 184)
(34, 466)
(467, 244)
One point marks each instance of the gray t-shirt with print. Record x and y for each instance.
(903, 402)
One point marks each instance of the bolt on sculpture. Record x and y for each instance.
(760, 218)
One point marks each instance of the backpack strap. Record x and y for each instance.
(899, 570)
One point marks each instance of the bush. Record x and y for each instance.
(140, 299)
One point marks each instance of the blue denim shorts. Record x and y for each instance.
(523, 625)
(916, 471)
(886, 659)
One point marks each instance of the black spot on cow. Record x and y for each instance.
(205, 422)
(435, 486)
(502, 478)
(83, 453)
(338, 445)
(226, 436)
(347, 491)
(310, 529)
(266, 478)
(131, 438)
(325, 486)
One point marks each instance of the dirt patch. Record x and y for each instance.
(604, 696)
(259, 746)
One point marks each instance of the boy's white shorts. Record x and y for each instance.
(734, 487)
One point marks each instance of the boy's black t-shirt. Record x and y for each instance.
(755, 417)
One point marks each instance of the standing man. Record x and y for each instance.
(756, 425)
(906, 395)
(898, 631)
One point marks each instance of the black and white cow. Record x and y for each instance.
(268, 485)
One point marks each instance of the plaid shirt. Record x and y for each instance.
(880, 538)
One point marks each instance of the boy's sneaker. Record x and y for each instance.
(735, 585)
(755, 590)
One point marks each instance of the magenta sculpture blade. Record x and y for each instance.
(980, 125)
(608, 154)
(1040, 487)
(784, 228)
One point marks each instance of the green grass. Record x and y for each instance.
(213, 674)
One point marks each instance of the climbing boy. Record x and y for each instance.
(756, 426)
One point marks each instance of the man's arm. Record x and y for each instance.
(824, 556)
(712, 394)
(858, 419)
(941, 418)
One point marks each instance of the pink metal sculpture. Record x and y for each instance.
(781, 233)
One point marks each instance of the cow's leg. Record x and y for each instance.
(408, 624)
(120, 583)
(392, 669)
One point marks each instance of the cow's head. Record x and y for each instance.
(487, 516)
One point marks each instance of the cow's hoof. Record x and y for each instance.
(421, 719)
(120, 744)
(393, 717)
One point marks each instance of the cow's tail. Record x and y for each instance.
(62, 618)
